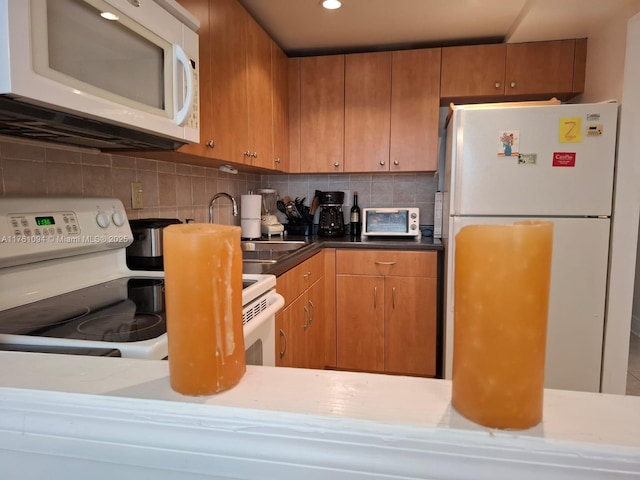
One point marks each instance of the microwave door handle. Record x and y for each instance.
(181, 58)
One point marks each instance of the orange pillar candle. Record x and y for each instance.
(203, 294)
(501, 299)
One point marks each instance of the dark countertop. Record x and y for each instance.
(316, 243)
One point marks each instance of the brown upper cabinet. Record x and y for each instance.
(519, 70)
(367, 111)
(258, 134)
(321, 113)
(391, 111)
(280, 98)
(239, 109)
(415, 95)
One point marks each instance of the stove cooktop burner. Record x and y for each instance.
(129, 309)
(33, 317)
(122, 327)
(124, 310)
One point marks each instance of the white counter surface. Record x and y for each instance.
(311, 416)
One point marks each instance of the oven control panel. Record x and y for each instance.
(44, 225)
(36, 229)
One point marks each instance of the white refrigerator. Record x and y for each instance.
(552, 162)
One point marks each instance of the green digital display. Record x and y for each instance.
(45, 221)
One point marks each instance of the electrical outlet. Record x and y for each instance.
(136, 195)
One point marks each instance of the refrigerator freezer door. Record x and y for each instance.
(576, 300)
(565, 168)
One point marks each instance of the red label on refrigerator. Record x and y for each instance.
(564, 159)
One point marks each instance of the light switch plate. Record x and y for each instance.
(136, 195)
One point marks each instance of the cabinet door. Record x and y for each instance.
(540, 67)
(259, 97)
(415, 110)
(200, 10)
(294, 115)
(280, 85)
(290, 335)
(367, 112)
(321, 113)
(294, 282)
(410, 325)
(314, 333)
(360, 322)
(473, 71)
(227, 97)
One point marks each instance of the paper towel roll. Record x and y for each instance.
(250, 213)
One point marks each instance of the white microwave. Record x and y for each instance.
(392, 222)
(109, 74)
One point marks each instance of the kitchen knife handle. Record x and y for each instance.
(283, 336)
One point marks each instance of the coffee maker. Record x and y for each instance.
(331, 219)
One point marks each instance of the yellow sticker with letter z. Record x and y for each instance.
(570, 130)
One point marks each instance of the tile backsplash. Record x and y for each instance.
(374, 190)
(169, 190)
(183, 191)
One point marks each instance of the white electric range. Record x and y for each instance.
(65, 285)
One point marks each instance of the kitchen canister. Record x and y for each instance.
(501, 300)
(250, 215)
(203, 296)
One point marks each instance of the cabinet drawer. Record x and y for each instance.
(386, 262)
(292, 283)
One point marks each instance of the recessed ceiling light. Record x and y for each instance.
(331, 4)
(109, 16)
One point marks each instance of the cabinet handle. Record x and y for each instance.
(284, 337)
(307, 275)
(254, 154)
(396, 163)
(337, 164)
(313, 312)
(512, 84)
(211, 144)
(393, 297)
(306, 317)
(385, 263)
(277, 160)
(247, 153)
(382, 162)
(498, 84)
(375, 297)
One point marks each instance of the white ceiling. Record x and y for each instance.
(303, 26)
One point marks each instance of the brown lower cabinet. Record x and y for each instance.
(300, 329)
(386, 311)
(300, 325)
(363, 310)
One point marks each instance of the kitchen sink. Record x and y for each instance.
(269, 251)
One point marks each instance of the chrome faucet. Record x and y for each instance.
(217, 196)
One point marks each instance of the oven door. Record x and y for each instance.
(145, 79)
(259, 318)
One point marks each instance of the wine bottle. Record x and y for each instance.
(356, 222)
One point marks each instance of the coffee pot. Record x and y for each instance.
(331, 218)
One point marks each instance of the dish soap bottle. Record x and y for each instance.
(356, 223)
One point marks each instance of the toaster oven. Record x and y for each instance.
(391, 222)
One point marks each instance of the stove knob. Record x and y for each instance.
(118, 218)
(103, 219)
